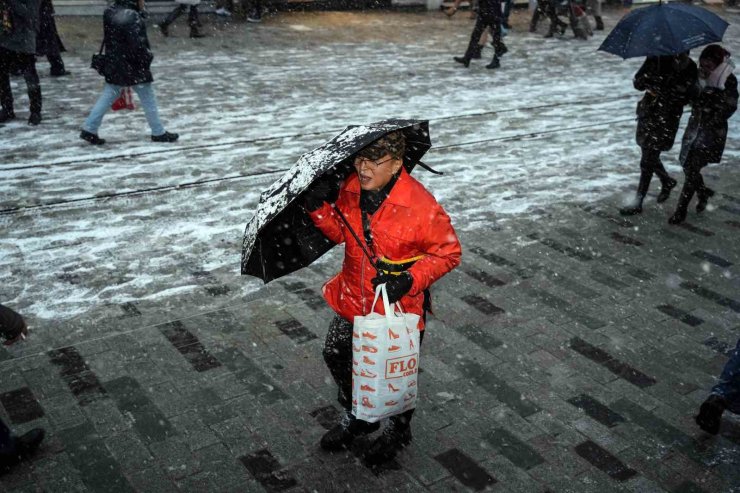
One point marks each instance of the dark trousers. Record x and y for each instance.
(650, 164)
(193, 20)
(7, 441)
(546, 8)
(338, 357)
(693, 181)
(481, 23)
(26, 64)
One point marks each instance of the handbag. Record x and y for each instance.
(125, 101)
(6, 18)
(385, 361)
(100, 61)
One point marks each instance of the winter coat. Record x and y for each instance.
(25, 19)
(409, 223)
(666, 93)
(48, 41)
(126, 46)
(490, 9)
(706, 132)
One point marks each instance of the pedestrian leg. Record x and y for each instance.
(164, 25)
(56, 63)
(725, 395)
(149, 103)
(666, 182)
(6, 95)
(34, 90)
(647, 167)
(692, 172)
(480, 26)
(194, 23)
(101, 107)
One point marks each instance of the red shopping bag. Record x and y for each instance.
(125, 101)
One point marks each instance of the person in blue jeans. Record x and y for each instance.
(725, 395)
(128, 62)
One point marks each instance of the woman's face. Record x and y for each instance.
(706, 67)
(375, 174)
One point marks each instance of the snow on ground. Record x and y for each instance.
(556, 123)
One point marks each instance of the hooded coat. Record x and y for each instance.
(706, 131)
(409, 223)
(25, 18)
(666, 83)
(126, 45)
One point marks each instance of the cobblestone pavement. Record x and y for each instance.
(569, 352)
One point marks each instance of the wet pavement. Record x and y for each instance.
(568, 352)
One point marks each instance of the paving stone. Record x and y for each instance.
(148, 421)
(623, 370)
(465, 470)
(514, 449)
(605, 461)
(267, 470)
(596, 410)
(21, 405)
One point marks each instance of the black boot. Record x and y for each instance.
(634, 208)
(500, 49)
(464, 60)
(394, 438)
(477, 52)
(342, 435)
(6, 115)
(703, 196)
(710, 413)
(34, 119)
(599, 23)
(91, 138)
(665, 190)
(494, 63)
(165, 137)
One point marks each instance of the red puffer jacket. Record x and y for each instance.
(409, 223)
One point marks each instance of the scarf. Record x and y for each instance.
(719, 75)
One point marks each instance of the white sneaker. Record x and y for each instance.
(223, 12)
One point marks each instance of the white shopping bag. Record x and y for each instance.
(385, 361)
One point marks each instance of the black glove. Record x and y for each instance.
(318, 193)
(397, 286)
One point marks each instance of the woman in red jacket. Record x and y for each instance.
(404, 228)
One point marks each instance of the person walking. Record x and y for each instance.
(193, 19)
(489, 16)
(725, 395)
(128, 64)
(594, 8)
(18, 55)
(404, 226)
(48, 42)
(714, 102)
(666, 81)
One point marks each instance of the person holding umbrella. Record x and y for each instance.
(404, 229)
(666, 81)
(714, 102)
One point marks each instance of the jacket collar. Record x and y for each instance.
(400, 193)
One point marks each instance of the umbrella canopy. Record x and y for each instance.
(281, 238)
(663, 29)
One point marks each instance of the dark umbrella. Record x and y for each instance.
(281, 238)
(663, 29)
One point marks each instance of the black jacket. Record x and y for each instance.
(48, 41)
(25, 18)
(666, 83)
(490, 9)
(126, 45)
(706, 132)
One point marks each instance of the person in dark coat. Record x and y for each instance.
(128, 64)
(48, 42)
(714, 100)
(666, 81)
(18, 55)
(489, 16)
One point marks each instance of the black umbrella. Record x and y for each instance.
(281, 238)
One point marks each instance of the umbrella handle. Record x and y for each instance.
(357, 238)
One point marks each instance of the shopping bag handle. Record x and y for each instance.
(381, 289)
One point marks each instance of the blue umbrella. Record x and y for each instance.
(663, 29)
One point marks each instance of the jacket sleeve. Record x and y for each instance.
(442, 252)
(717, 104)
(328, 222)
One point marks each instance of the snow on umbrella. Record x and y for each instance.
(663, 29)
(281, 238)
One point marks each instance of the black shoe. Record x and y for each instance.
(631, 210)
(163, 28)
(710, 413)
(494, 63)
(677, 218)
(665, 190)
(34, 119)
(500, 49)
(165, 137)
(59, 73)
(342, 435)
(704, 196)
(6, 116)
(91, 138)
(387, 445)
(461, 59)
(477, 53)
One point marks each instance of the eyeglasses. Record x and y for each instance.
(372, 163)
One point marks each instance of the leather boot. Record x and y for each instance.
(477, 52)
(394, 438)
(343, 434)
(703, 195)
(710, 413)
(464, 60)
(665, 190)
(494, 63)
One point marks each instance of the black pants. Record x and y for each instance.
(26, 64)
(650, 164)
(693, 181)
(338, 357)
(546, 8)
(481, 23)
(179, 10)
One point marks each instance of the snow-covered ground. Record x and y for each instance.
(555, 123)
